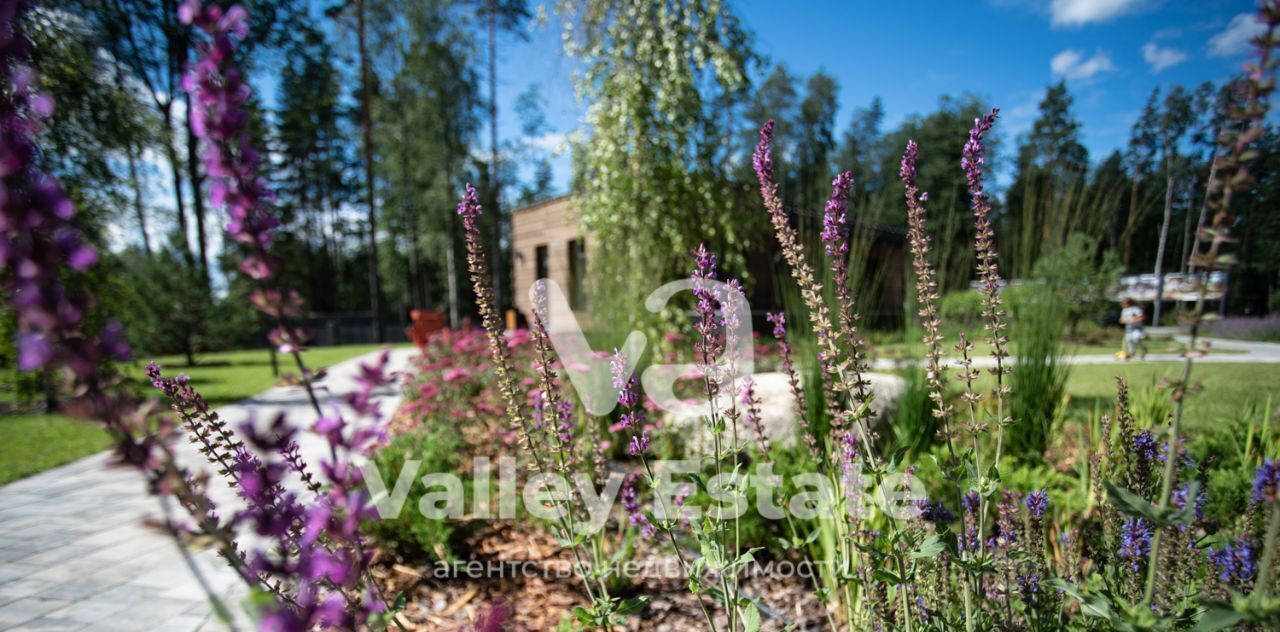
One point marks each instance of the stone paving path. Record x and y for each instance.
(76, 553)
(1229, 352)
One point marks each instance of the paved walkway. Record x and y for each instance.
(75, 551)
(1229, 352)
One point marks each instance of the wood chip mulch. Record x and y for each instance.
(537, 601)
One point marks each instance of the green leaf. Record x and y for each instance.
(751, 617)
(1218, 618)
(633, 605)
(931, 547)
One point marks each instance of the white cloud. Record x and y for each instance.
(1071, 64)
(1160, 57)
(1235, 40)
(554, 142)
(1081, 12)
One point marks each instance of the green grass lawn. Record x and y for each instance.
(1111, 343)
(1229, 390)
(31, 443)
(228, 377)
(35, 443)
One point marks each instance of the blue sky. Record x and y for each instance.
(1111, 52)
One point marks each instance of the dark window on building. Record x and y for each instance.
(541, 262)
(577, 274)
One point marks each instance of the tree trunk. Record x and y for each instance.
(415, 295)
(366, 128)
(1164, 238)
(452, 272)
(1204, 210)
(140, 211)
(197, 200)
(1186, 235)
(175, 169)
(1131, 222)
(138, 208)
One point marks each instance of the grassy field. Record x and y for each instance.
(228, 377)
(35, 443)
(1229, 390)
(1107, 344)
(31, 443)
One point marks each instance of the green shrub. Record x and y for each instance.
(962, 307)
(410, 533)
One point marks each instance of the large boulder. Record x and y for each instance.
(777, 410)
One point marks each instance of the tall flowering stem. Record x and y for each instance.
(323, 555)
(841, 367)
(1230, 173)
(926, 288)
(835, 237)
(713, 328)
(547, 398)
(988, 268)
(779, 321)
(927, 294)
(832, 356)
(469, 210)
(988, 265)
(219, 118)
(633, 421)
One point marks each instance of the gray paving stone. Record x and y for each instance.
(75, 553)
(18, 589)
(18, 612)
(185, 623)
(50, 624)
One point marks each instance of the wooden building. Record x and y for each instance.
(548, 242)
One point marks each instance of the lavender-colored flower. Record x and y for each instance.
(1036, 503)
(835, 232)
(1135, 541)
(845, 377)
(971, 503)
(41, 239)
(1145, 446)
(710, 343)
(1266, 482)
(1029, 586)
(219, 117)
(633, 417)
(1180, 497)
(779, 321)
(1008, 519)
(632, 506)
(934, 512)
(751, 403)
(1234, 562)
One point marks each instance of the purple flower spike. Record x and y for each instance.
(1266, 482)
(1037, 502)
